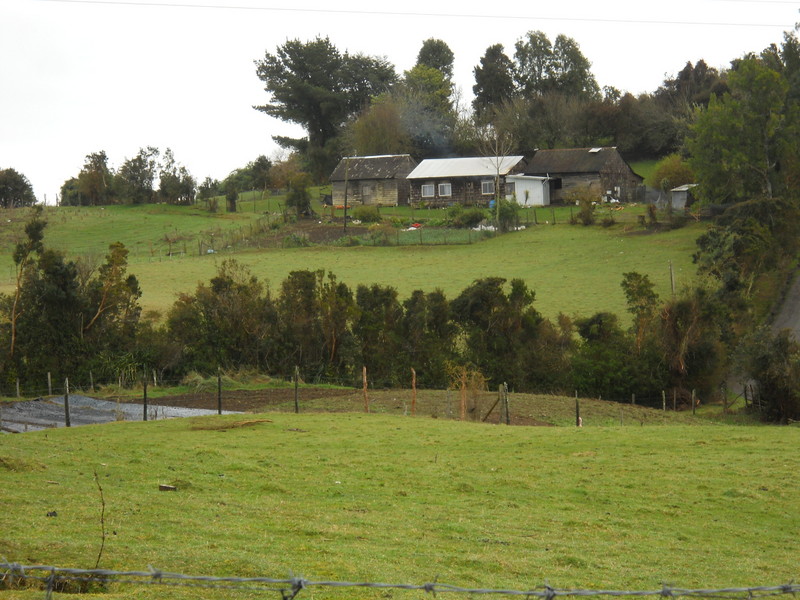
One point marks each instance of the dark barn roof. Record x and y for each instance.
(374, 167)
(572, 160)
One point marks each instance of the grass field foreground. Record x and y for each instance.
(381, 498)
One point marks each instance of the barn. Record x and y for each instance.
(602, 171)
(379, 180)
(468, 181)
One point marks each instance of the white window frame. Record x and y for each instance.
(487, 187)
(445, 189)
(429, 188)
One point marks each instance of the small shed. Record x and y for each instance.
(528, 190)
(379, 180)
(601, 170)
(681, 196)
(468, 180)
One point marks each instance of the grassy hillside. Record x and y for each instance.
(573, 269)
(356, 497)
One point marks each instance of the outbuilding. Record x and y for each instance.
(528, 190)
(379, 180)
(681, 196)
(602, 171)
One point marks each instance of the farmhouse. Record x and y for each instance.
(600, 170)
(377, 180)
(472, 180)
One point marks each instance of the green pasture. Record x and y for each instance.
(573, 269)
(644, 168)
(383, 498)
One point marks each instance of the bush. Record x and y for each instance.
(366, 213)
(472, 217)
(294, 240)
(509, 215)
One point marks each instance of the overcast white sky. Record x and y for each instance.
(80, 76)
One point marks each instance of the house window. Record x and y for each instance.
(445, 189)
(428, 190)
(487, 187)
(510, 188)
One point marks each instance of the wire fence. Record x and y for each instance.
(52, 578)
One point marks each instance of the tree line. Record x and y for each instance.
(734, 131)
(71, 318)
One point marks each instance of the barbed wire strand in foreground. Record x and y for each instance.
(49, 576)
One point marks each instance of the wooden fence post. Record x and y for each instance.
(17, 387)
(578, 421)
(505, 403)
(674, 399)
(296, 384)
(219, 391)
(144, 397)
(663, 400)
(633, 398)
(694, 402)
(463, 393)
(66, 402)
(413, 392)
(49, 384)
(364, 382)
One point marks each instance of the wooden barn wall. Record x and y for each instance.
(386, 192)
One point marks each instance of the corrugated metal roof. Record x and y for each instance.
(478, 166)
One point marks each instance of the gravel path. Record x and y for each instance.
(33, 415)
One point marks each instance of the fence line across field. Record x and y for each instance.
(51, 577)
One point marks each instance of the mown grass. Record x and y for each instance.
(369, 497)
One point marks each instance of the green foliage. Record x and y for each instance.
(176, 185)
(739, 142)
(642, 302)
(494, 81)
(670, 172)
(15, 189)
(749, 239)
(367, 213)
(772, 362)
(542, 66)
(461, 217)
(136, 176)
(299, 197)
(379, 129)
(318, 87)
(508, 215)
(436, 54)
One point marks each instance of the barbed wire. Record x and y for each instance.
(51, 577)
